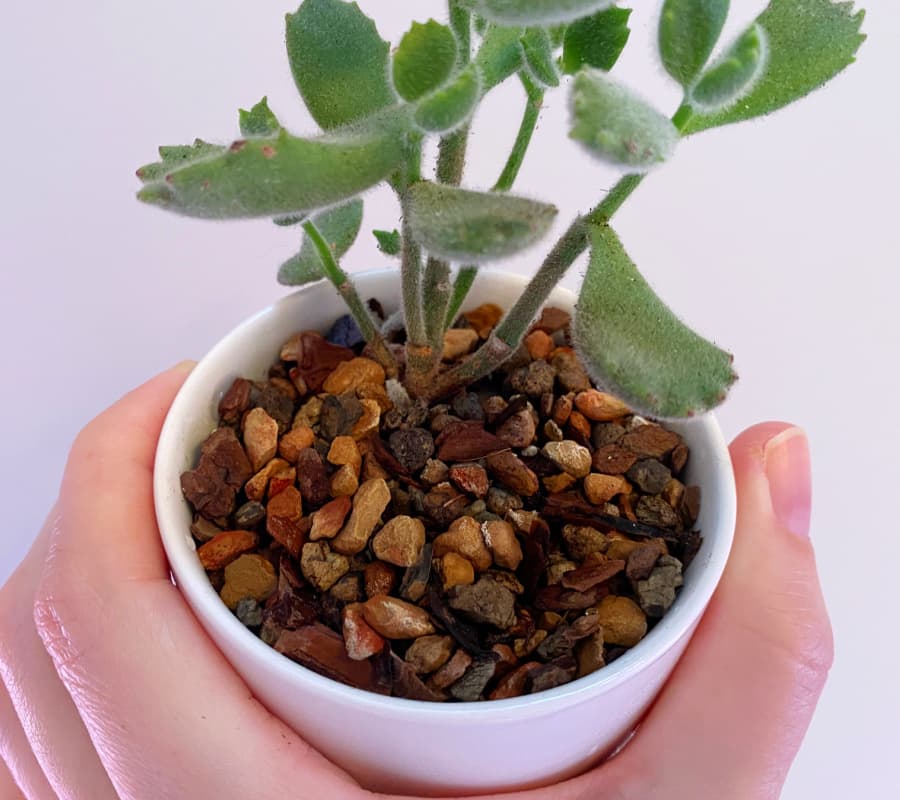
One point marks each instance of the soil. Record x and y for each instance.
(507, 540)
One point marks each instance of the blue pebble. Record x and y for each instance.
(345, 332)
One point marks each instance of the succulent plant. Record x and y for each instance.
(377, 107)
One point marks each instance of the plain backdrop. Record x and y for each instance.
(780, 239)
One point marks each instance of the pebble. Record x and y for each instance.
(557, 566)
(641, 562)
(284, 520)
(344, 482)
(549, 676)
(396, 619)
(680, 458)
(472, 684)
(412, 447)
(322, 567)
(235, 401)
(203, 530)
(464, 537)
(509, 470)
(656, 512)
(501, 540)
(600, 489)
(484, 318)
(650, 475)
(519, 430)
(563, 640)
(570, 457)
(369, 504)
(312, 478)
(224, 548)
(486, 603)
(260, 438)
(258, 485)
(562, 408)
(534, 380)
(277, 405)
(416, 577)
(444, 504)
(467, 405)
(249, 515)
(470, 478)
(599, 406)
(657, 593)
(522, 520)
(379, 578)
(467, 441)
(651, 441)
(622, 621)
(369, 421)
(559, 483)
(435, 472)
(328, 520)
(345, 452)
(351, 375)
(249, 612)
(360, 639)
(513, 684)
(443, 421)
(524, 647)
(456, 570)
(400, 541)
(553, 319)
(459, 342)
(429, 653)
(552, 431)
(582, 541)
(539, 345)
(605, 433)
(248, 576)
(572, 376)
(499, 501)
(452, 671)
(612, 459)
(347, 590)
(222, 470)
(310, 413)
(589, 654)
(591, 574)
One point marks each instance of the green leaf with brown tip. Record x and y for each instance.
(448, 108)
(424, 60)
(278, 176)
(259, 120)
(808, 42)
(732, 77)
(462, 225)
(339, 227)
(635, 347)
(596, 41)
(688, 32)
(537, 12)
(339, 62)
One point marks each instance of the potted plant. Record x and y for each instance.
(421, 504)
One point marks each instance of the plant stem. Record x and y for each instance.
(461, 24)
(452, 156)
(436, 290)
(464, 280)
(347, 290)
(535, 100)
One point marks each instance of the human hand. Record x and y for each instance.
(115, 690)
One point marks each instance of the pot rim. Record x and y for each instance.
(211, 611)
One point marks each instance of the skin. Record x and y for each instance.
(94, 636)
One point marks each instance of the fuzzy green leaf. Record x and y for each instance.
(177, 156)
(538, 50)
(339, 62)
(450, 107)
(289, 220)
(596, 41)
(339, 227)
(424, 60)
(536, 12)
(462, 225)
(276, 176)
(688, 32)
(808, 43)
(733, 75)
(634, 346)
(259, 120)
(389, 242)
(618, 127)
(500, 55)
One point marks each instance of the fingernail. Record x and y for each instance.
(185, 366)
(790, 482)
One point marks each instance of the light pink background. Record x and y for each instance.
(781, 239)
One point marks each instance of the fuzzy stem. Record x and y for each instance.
(436, 291)
(464, 280)
(535, 100)
(461, 24)
(347, 291)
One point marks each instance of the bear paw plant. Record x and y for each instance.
(377, 107)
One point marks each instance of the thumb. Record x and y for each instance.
(732, 717)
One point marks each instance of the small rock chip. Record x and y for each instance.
(467, 405)
(622, 621)
(690, 506)
(345, 332)
(349, 376)
(559, 483)
(344, 482)
(467, 441)
(249, 612)
(317, 358)
(464, 537)
(522, 648)
(589, 575)
(345, 452)
(522, 521)
(589, 654)
(284, 520)
(444, 504)
(510, 470)
(441, 422)
(650, 475)
(612, 459)
(429, 653)
(552, 431)
(435, 472)
(312, 478)
(400, 541)
(500, 538)
(220, 551)
(222, 470)
(369, 421)
(579, 428)
(680, 458)
(582, 541)
(519, 430)
(360, 639)
(599, 406)
(203, 530)
(513, 684)
(379, 578)
(412, 447)
(456, 571)
(347, 590)
(557, 566)
(605, 433)
(656, 512)
(396, 619)
(600, 489)
(499, 502)
(673, 493)
(470, 478)
(248, 576)
(310, 413)
(562, 408)
(322, 650)
(339, 415)
(562, 641)
(539, 345)
(549, 676)
(260, 438)
(459, 342)
(484, 318)
(452, 671)
(368, 505)
(534, 380)
(279, 406)
(235, 401)
(641, 562)
(321, 567)
(471, 686)
(290, 350)
(258, 485)
(570, 457)
(416, 577)
(572, 376)
(486, 603)
(621, 549)
(651, 441)
(657, 593)
(329, 519)
(552, 320)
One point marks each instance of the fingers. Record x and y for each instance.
(732, 717)
(167, 715)
(49, 719)
(20, 761)
(9, 790)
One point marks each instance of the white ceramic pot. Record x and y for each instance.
(405, 746)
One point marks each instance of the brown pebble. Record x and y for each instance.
(312, 478)
(467, 441)
(329, 519)
(571, 374)
(570, 457)
(579, 425)
(203, 530)
(464, 537)
(470, 478)
(248, 576)
(345, 452)
(650, 475)
(510, 470)
(459, 342)
(400, 541)
(513, 684)
(582, 541)
(260, 438)
(349, 376)
(396, 619)
(539, 344)
(486, 603)
(360, 638)
(321, 567)
(368, 505)
(220, 551)
(452, 671)
(656, 512)
(559, 483)
(257, 487)
(344, 482)
(484, 318)
(455, 571)
(552, 319)
(589, 654)
(500, 538)
(562, 409)
(588, 576)
(368, 422)
(600, 489)
(519, 430)
(284, 520)
(679, 458)
(379, 578)
(651, 441)
(600, 406)
(622, 620)
(613, 459)
(429, 653)
(235, 401)
(522, 648)
(641, 562)
(294, 441)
